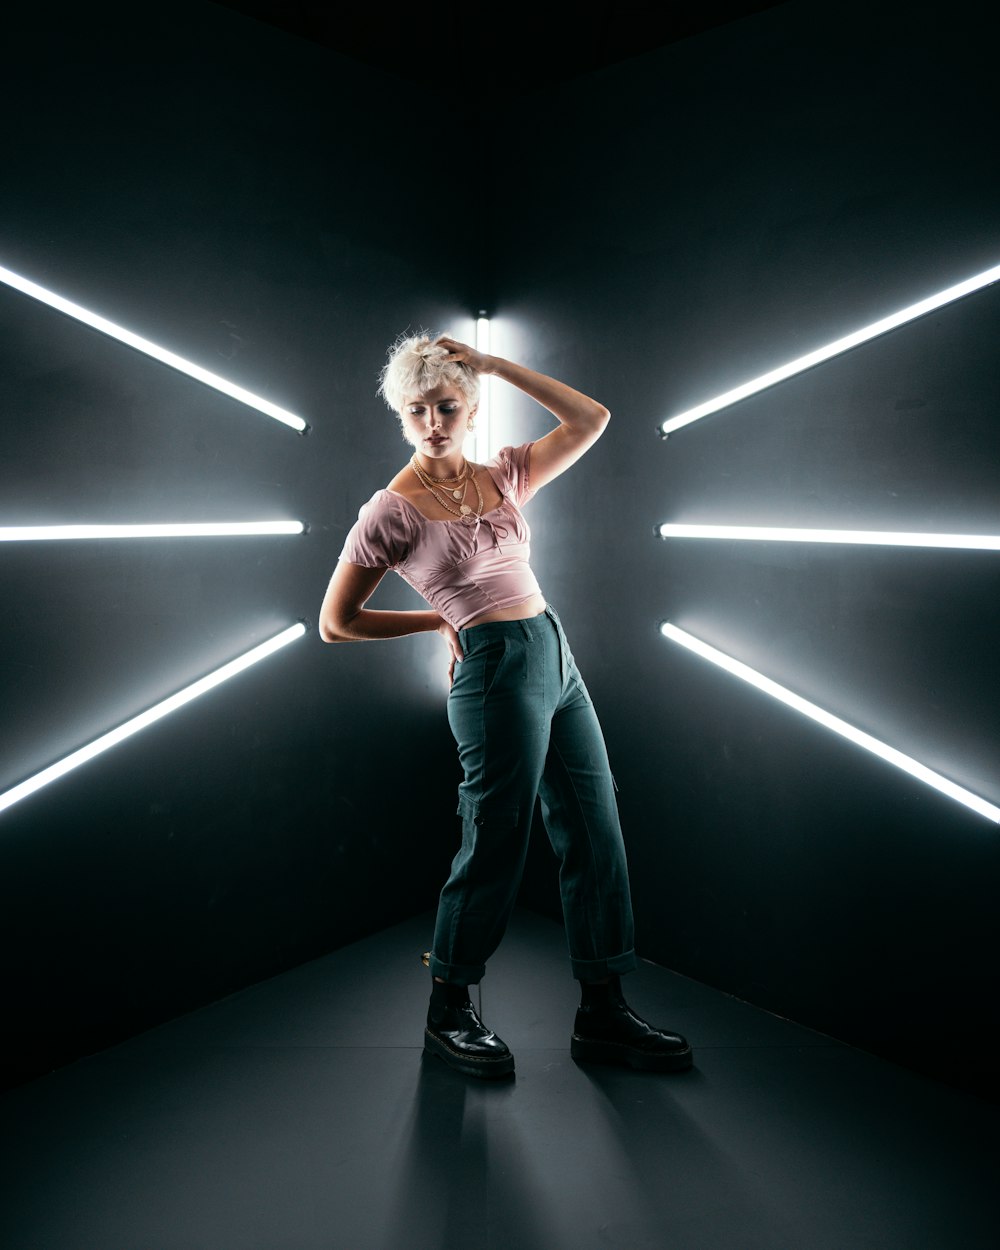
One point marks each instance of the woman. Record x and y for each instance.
(517, 706)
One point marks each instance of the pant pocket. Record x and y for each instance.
(480, 668)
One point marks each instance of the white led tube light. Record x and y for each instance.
(481, 445)
(194, 529)
(27, 287)
(844, 344)
(858, 736)
(873, 538)
(171, 704)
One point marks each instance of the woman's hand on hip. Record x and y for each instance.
(450, 635)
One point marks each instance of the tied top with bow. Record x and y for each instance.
(463, 567)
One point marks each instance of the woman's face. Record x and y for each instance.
(437, 422)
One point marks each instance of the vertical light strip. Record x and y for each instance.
(27, 287)
(858, 736)
(171, 704)
(483, 446)
(948, 296)
(866, 538)
(169, 529)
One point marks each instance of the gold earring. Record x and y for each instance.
(471, 426)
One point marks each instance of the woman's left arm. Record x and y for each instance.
(582, 420)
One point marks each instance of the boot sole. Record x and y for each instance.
(586, 1050)
(488, 1069)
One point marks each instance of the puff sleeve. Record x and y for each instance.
(513, 465)
(379, 538)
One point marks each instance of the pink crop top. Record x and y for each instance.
(464, 567)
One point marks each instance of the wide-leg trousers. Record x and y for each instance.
(526, 727)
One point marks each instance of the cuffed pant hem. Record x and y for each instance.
(457, 974)
(597, 969)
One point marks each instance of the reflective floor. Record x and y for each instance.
(301, 1114)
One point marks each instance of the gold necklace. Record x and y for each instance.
(456, 485)
(461, 478)
(447, 483)
(463, 509)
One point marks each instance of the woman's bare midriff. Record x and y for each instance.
(534, 606)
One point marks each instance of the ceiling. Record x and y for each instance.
(517, 47)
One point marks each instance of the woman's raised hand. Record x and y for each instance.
(462, 351)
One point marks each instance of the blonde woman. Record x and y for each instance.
(517, 706)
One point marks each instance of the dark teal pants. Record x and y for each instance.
(525, 727)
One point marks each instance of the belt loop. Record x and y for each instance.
(525, 630)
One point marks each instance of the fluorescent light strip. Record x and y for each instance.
(871, 538)
(194, 529)
(890, 754)
(118, 332)
(844, 344)
(481, 447)
(171, 704)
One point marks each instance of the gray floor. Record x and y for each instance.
(301, 1114)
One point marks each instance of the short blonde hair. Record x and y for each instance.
(416, 365)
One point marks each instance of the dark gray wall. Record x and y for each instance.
(660, 231)
(687, 222)
(236, 195)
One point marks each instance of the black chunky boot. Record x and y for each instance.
(607, 1030)
(456, 1034)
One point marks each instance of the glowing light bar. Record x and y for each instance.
(872, 538)
(171, 704)
(481, 446)
(890, 754)
(193, 529)
(844, 344)
(166, 357)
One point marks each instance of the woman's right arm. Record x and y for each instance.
(344, 617)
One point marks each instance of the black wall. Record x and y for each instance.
(687, 222)
(659, 231)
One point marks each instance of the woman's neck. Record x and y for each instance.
(446, 467)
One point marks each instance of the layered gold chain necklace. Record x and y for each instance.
(456, 486)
